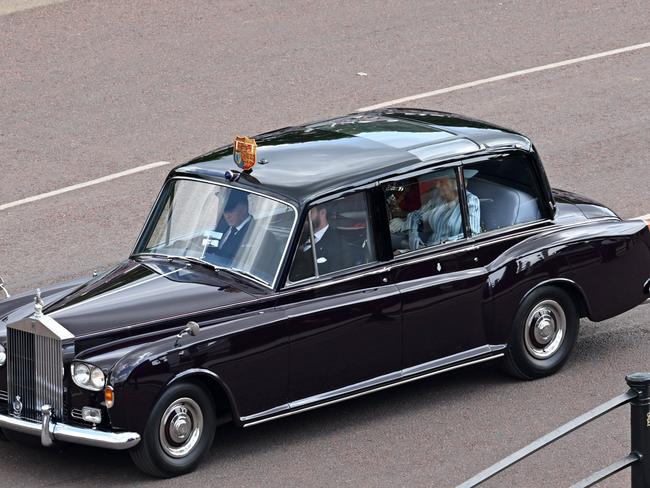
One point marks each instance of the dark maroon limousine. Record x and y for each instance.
(359, 253)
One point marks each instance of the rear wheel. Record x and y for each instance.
(179, 432)
(543, 334)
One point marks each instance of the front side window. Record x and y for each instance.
(335, 236)
(426, 211)
(223, 226)
(506, 191)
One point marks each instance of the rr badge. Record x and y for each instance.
(245, 152)
(17, 405)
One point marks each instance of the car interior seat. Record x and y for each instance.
(503, 206)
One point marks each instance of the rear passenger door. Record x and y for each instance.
(512, 208)
(434, 267)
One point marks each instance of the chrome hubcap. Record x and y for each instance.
(181, 427)
(545, 329)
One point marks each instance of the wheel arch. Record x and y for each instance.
(573, 289)
(219, 391)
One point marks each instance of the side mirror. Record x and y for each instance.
(192, 329)
(3, 288)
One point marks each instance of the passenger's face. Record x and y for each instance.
(318, 218)
(236, 215)
(447, 189)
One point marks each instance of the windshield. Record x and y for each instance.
(223, 226)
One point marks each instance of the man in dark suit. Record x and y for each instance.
(233, 226)
(329, 246)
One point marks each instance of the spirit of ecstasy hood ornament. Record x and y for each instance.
(2, 287)
(38, 304)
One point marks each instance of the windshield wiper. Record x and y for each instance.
(214, 267)
(151, 255)
(200, 261)
(171, 257)
(246, 274)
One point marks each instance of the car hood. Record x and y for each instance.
(138, 295)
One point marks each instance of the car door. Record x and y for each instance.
(513, 207)
(435, 268)
(343, 314)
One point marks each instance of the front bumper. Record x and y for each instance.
(50, 431)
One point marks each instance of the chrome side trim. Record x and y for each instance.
(383, 382)
(453, 359)
(346, 390)
(72, 434)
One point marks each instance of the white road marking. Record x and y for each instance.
(11, 6)
(644, 217)
(505, 76)
(78, 186)
(440, 91)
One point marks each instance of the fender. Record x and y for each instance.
(559, 255)
(555, 239)
(234, 355)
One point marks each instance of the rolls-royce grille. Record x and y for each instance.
(34, 374)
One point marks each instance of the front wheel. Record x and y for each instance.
(544, 332)
(179, 432)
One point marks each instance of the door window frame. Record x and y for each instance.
(544, 208)
(456, 166)
(369, 197)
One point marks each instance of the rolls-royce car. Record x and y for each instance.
(311, 265)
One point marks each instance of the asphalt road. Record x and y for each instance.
(90, 88)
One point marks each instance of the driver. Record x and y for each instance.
(233, 226)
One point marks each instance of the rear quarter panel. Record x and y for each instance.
(605, 262)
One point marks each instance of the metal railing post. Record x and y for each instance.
(640, 428)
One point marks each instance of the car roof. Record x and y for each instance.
(303, 163)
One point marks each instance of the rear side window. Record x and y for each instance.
(506, 191)
(336, 235)
(425, 211)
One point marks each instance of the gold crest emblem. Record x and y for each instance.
(245, 152)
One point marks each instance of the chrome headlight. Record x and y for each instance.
(87, 376)
(3, 355)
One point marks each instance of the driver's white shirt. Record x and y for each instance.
(317, 237)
